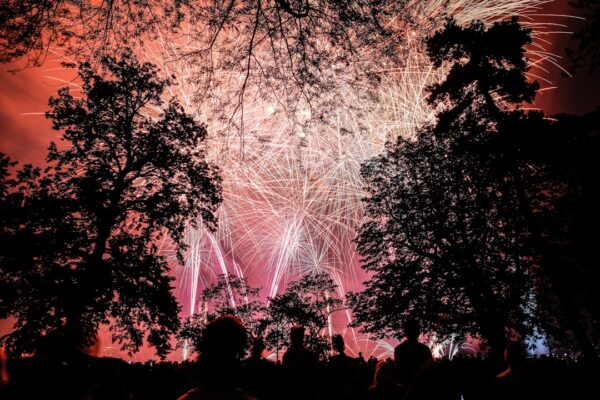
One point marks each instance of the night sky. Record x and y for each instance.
(26, 133)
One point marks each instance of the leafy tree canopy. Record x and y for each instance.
(564, 222)
(229, 295)
(308, 301)
(80, 236)
(586, 52)
(444, 234)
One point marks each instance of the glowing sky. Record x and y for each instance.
(25, 132)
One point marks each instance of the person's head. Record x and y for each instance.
(514, 354)
(412, 329)
(224, 338)
(338, 343)
(384, 373)
(297, 336)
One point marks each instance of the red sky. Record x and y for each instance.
(24, 136)
(574, 95)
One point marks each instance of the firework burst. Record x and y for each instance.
(291, 177)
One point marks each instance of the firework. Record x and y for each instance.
(291, 177)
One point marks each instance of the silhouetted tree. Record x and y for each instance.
(80, 236)
(586, 54)
(232, 295)
(229, 295)
(564, 222)
(309, 302)
(31, 28)
(293, 51)
(6, 183)
(445, 234)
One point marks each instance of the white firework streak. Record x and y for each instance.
(291, 183)
(440, 348)
(380, 349)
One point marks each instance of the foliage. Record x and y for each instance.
(232, 295)
(564, 222)
(290, 49)
(32, 27)
(190, 332)
(229, 295)
(80, 236)
(445, 234)
(293, 52)
(586, 54)
(308, 302)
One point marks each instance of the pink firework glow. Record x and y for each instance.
(292, 188)
(291, 183)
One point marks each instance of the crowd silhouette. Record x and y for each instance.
(61, 370)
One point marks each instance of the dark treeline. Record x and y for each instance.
(485, 223)
(225, 370)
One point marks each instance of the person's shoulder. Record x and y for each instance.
(334, 359)
(307, 353)
(401, 345)
(288, 353)
(312, 356)
(338, 359)
(424, 347)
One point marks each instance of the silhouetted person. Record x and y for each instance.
(299, 368)
(259, 374)
(512, 383)
(341, 373)
(372, 363)
(384, 387)
(222, 347)
(410, 355)
(341, 359)
(434, 381)
(58, 369)
(361, 359)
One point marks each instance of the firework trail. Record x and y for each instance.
(291, 181)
